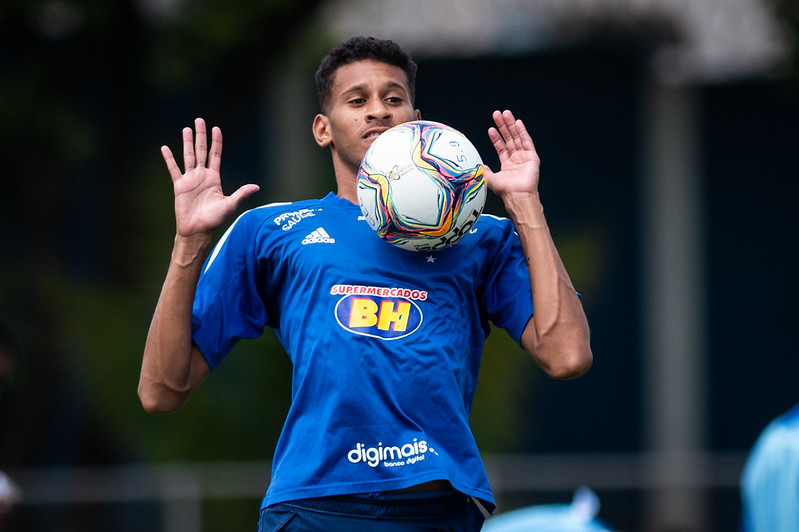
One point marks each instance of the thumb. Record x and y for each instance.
(243, 193)
(490, 177)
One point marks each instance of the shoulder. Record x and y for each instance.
(492, 220)
(496, 227)
(790, 418)
(280, 215)
(284, 209)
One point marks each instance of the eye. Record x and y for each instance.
(357, 101)
(395, 100)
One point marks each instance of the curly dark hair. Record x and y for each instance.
(359, 49)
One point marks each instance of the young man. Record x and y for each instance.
(770, 478)
(378, 427)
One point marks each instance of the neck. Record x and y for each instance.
(347, 189)
(346, 182)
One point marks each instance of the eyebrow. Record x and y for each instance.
(389, 85)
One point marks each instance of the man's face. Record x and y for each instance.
(367, 98)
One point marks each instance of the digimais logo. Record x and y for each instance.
(390, 455)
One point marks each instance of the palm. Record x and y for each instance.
(518, 159)
(200, 204)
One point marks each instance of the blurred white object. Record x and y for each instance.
(579, 516)
(715, 39)
(10, 493)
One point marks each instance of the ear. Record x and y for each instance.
(417, 114)
(321, 130)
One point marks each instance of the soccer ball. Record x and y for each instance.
(421, 186)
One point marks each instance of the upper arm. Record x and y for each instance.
(199, 367)
(232, 300)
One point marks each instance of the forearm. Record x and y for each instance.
(558, 334)
(170, 370)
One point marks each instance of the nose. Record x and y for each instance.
(378, 110)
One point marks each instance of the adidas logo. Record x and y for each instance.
(318, 236)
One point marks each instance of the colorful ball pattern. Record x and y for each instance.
(421, 186)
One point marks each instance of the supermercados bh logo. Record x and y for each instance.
(380, 312)
(390, 455)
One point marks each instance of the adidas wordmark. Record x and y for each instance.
(318, 236)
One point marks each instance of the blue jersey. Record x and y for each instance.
(385, 343)
(770, 480)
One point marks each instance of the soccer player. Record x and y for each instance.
(770, 479)
(10, 492)
(385, 343)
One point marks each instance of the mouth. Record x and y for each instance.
(372, 134)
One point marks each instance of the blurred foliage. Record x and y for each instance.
(507, 377)
(87, 88)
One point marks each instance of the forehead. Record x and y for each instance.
(368, 74)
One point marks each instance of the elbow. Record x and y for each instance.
(570, 364)
(160, 394)
(562, 352)
(157, 402)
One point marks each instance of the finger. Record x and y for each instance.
(244, 192)
(499, 143)
(524, 136)
(189, 160)
(171, 164)
(215, 161)
(514, 136)
(523, 141)
(527, 140)
(489, 177)
(498, 120)
(488, 172)
(201, 142)
(503, 126)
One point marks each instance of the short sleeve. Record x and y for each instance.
(507, 297)
(228, 303)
